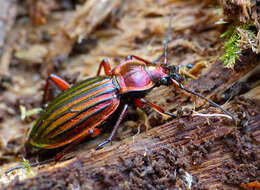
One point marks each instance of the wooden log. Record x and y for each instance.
(192, 152)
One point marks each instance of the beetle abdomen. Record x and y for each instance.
(74, 113)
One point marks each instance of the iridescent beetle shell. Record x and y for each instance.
(75, 112)
(83, 108)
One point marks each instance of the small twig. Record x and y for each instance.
(211, 115)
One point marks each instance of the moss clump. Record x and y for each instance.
(238, 38)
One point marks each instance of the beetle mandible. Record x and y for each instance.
(81, 109)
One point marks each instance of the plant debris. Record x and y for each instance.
(238, 38)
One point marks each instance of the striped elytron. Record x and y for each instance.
(75, 112)
(82, 109)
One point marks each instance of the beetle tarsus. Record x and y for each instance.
(170, 114)
(103, 143)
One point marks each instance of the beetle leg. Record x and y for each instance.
(123, 113)
(143, 118)
(68, 148)
(57, 81)
(130, 57)
(140, 102)
(104, 63)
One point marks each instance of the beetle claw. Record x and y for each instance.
(129, 57)
(103, 143)
(170, 114)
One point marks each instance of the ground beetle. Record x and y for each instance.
(81, 109)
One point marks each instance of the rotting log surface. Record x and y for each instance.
(215, 152)
(190, 151)
(161, 160)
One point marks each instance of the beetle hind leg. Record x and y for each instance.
(58, 82)
(143, 118)
(105, 64)
(92, 133)
(131, 57)
(123, 113)
(69, 147)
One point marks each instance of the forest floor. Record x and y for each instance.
(192, 151)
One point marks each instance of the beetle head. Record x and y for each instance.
(172, 77)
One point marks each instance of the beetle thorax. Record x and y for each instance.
(156, 72)
(134, 76)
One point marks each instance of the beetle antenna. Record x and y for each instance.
(208, 100)
(164, 54)
(167, 39)
(29, 165)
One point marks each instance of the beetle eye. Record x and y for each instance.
(177, 77)
(164, 81)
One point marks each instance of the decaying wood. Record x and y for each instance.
(39, 10)
(205, 150)
(82, 23)
(243, 11)
(189, 152)
(7, 18)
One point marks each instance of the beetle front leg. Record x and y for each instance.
(140, 102)
(123, 113)
(105, 64)
(57, 81)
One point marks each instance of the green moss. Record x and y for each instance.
(237, 38)
(231, 47)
